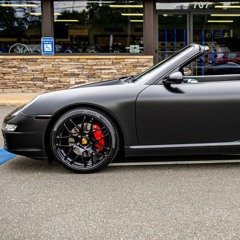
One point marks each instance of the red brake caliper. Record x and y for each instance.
(98, 135)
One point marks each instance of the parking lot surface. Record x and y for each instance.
(42, 201)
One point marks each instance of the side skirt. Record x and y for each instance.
(183, 149)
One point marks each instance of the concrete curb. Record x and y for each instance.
(16, 99)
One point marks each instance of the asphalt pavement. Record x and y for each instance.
(42, 201)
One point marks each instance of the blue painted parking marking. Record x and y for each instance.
(5, 156)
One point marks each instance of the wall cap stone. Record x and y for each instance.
(75, 57)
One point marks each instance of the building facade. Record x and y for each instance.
(99, 40)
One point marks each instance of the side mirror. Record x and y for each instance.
(174, 78)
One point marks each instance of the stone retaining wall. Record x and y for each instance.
(42, 74)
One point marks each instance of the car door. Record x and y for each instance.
(187, 113)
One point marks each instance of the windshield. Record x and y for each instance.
(155, 70)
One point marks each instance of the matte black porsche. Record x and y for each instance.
(163, 111)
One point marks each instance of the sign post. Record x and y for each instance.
(47, 46)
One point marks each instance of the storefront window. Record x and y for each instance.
(220, 33)
(196, 5)
(20, 26)
(212, 24)
(172, 34)
(98, 26)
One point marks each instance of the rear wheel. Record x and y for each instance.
(84, 140)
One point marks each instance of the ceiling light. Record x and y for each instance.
(39, 14)
(66, 20)
(132, 14)
(18, 5)
(100, 2)
(225, 15)
(35, 14)
(132, 20)
(126, 6)
(220, 21)
(226, 6)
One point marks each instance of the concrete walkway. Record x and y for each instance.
(16, 99)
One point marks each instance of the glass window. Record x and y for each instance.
(172, 34)
(20, 26)
(204, 65)
(98, 26)
(220, 32)
(195, 5)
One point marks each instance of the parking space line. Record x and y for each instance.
(5, 156)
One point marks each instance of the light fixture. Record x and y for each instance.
(135, 20)
(66, 20)
(39, 14)
(126, 6)
(18, 5)
(227, 6)
(220, 21)
(132, 14)
(225, 15)
(35, 14)
(100, 2)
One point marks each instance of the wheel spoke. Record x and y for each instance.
(68, 129)
(93, 162)
(91, 126)
(63, 137)
(78, 128)
(100, 154)
(96, 140)
(72, 161)
(69, 152)
(102, 128)
(84, 161)
(61, 145)
(108, 149)
(82, 125)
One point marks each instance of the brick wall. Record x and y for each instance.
(41, 74)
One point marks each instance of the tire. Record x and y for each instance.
(19, 48)
(84, 140)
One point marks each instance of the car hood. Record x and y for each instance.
(119, 81)
(105, 95)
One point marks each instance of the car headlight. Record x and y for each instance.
(9, 127)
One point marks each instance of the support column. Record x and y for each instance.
(149, 27)
(47, 18)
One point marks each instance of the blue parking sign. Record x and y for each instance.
(48, 46)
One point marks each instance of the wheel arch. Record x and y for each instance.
(59, 113)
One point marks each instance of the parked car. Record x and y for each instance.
(92, 49)
(159, 112)
(230, 57)
(221, 68)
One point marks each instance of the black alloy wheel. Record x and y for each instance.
(84, 140)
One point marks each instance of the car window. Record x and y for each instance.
(213, 63)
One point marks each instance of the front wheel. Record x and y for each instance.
(84, 140)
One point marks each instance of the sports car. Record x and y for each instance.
(159, 112)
